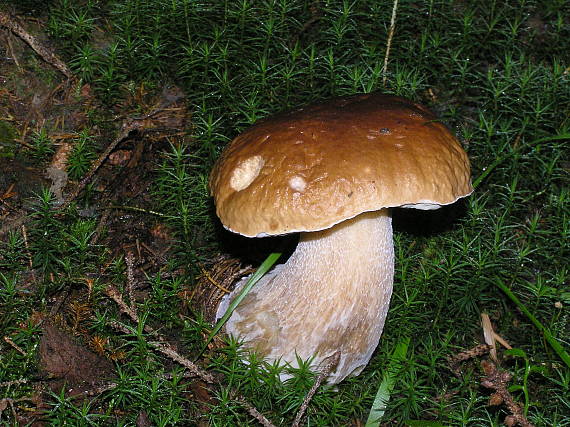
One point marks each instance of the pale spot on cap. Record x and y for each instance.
(298, 184)
(244, 174)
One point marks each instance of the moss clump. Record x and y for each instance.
(7, 139)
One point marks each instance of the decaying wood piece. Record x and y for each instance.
(495, 379)
(498, 381)
(477, 351)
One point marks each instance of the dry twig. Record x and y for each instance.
(495, 380)
(114, 294)
(9, 22)
(389, 42)
(326, 370)
(129, 260)
(28, 253)
(478, 350)
(13, 344)
(13, 382)
(253, 411)
(161, 345)
(128, 127)
(101, 225)
(166, 348)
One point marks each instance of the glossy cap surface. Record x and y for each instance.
(313, 167)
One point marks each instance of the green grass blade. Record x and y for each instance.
(259, 273)
(387, 385)
(547, 335)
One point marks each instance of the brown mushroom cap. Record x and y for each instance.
(311, 168)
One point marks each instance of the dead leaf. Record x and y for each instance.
(120, 157)
(62, 358)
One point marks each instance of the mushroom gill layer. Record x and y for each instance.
(331, 295)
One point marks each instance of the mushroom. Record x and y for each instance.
(331, 171)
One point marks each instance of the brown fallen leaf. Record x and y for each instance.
(120, 157)
(63, 359)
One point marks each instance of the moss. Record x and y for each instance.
(7, 139)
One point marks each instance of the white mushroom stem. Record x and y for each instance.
(331, 295)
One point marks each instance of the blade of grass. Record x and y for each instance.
(259, 273)
(547, 335)
(387, 385)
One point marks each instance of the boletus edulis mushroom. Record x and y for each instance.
(330, 172)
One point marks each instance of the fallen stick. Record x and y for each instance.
(47, 55)
(327, 369)
(128, 127)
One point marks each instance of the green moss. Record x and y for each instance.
(495, 72)
(8, 136)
